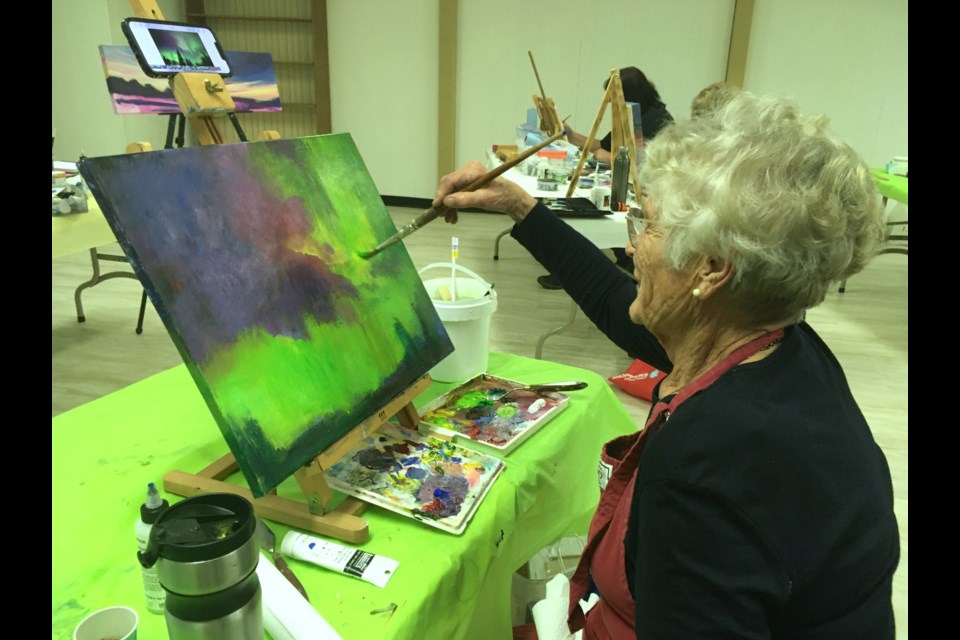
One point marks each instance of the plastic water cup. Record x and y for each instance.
(112, 623)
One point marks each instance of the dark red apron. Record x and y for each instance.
(603, 556)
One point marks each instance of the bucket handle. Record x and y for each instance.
(458, 267)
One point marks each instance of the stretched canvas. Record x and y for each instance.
(436, 482)
(249, 252)
(489, 411)
(253, 84)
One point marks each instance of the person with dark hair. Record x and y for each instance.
(755, 502)
(654, 116)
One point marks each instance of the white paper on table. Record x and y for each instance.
(286, 615)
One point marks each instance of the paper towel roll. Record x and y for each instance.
(550, 614)
(286, 615)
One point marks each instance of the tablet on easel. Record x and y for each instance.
(167, 48)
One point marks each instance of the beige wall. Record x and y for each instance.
(82, 112)
(383, 88)
(847, 59)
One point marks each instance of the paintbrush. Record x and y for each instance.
(435, 212)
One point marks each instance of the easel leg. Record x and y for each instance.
(575, 178)
(97, 278)
(314, 487)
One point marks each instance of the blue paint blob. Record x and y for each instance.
(409, 461)
(416, 474)
(441, 494)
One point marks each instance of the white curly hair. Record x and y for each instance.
(776, 194)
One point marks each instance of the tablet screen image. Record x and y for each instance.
(167, 48)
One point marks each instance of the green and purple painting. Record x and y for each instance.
(248, 251)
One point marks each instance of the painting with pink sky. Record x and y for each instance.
(253, 85)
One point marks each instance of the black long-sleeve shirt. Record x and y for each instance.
(764, 507)
(653, 120)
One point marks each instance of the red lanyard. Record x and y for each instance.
(707, 379)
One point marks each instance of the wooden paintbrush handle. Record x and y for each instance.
(536, 73)
(435, 212)
(488, 177)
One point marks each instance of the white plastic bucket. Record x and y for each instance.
(466, 319)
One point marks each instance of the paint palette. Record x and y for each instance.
(483, 413)
(434, 481)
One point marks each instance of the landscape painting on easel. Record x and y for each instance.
(249, 252)
(253, 85)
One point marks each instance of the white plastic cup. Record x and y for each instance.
(112, 623)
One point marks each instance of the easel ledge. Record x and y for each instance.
(343, 522)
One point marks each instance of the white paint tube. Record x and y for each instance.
(353, 562)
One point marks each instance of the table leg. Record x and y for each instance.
(496, 243)
(890, 237)
(97, 278)
(552, 332)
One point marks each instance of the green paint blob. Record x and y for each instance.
(472, 399)
(507, 411)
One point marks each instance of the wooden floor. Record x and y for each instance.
(866, 327)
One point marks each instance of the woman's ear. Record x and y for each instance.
(712, 275)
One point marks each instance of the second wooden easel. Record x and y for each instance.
(621, 131)
(550, 122)
(202, 98)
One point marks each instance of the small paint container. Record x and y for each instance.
(897, 166)
(600, 196)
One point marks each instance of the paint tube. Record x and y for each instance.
(353, 562)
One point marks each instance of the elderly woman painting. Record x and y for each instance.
(755, 502)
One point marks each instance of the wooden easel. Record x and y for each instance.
(621, 130)
(202, 97)
(550, 122)
(342, 522)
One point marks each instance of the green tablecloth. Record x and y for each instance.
(106, 451)
(889, 186)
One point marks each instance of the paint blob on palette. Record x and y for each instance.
(492, 412)
(436, 482)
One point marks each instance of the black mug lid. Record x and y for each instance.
(200, 528)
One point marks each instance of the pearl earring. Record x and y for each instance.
(696, 293)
